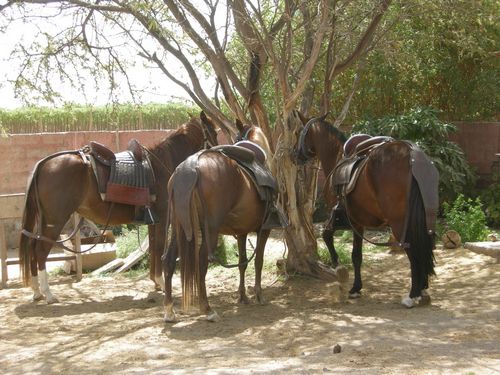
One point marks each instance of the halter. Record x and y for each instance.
(304, 154)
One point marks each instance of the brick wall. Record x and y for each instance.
(481, 145)
(20, 152)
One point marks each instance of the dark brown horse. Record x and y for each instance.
(387, 194)
(209, 194)
(65, 183)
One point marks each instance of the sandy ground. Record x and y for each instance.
(114, 325)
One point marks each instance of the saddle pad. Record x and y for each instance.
(427, 177)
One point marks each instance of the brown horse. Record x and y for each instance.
(211, 194)
(64, 183)
(387, 194)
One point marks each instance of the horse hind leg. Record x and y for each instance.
(42, 253)
(210, 314)
(169, 263)
(35, 285)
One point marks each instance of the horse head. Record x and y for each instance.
(254, 134)
(306, 146)
(209, 131)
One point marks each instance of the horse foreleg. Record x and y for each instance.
(156, 240)
(169, 269)
(243, 263)
(357, 259)
(259, 261)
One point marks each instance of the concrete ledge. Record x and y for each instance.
(491, 249)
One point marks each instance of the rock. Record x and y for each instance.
(337, 349)
(451, 239)
(492, 237)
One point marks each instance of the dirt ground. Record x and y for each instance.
(113, 325)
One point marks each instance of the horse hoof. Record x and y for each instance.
(38, 297)
(169, 318)
(213, 316)
(410, 302)
(243, 300)
(51, 300)
(342, 274)
(354, 295)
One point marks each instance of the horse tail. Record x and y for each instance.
(421, 242)
(184, 201)
(29, 220)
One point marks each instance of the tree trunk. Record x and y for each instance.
(298, 191)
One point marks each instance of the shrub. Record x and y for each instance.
(467, 218)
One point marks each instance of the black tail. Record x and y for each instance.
(421, 242)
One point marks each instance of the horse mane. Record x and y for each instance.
(173, 149)
(336, 132)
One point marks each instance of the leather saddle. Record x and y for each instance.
(125, 177)
(356, 150)
(251, 159)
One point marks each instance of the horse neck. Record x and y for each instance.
(179, 144)
(328, 148)
(258, 137)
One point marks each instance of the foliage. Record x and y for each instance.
(342, 250)
(87, 118)
(423, 127)
(491, 200)
(130, 240)
(467, 218)
(437, 53)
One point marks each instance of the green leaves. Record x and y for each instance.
(467, 218)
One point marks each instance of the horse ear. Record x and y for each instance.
(203, 116)
(240, 126)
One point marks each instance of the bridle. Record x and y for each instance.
(208, 142)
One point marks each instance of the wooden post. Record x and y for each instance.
(3, 255)
(78, 248)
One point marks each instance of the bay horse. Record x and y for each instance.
(64, 183)
(387, 194)
(209, 194)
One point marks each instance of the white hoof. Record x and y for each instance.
(410, 302)
(213, 316)
(354, 295)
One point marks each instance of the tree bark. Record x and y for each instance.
(298, 187)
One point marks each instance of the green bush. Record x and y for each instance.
(491, 200)
(423, 127)
(467, 218)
